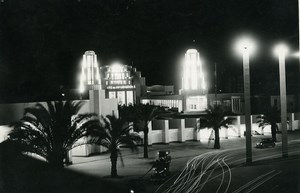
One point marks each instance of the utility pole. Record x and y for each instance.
(298, 97)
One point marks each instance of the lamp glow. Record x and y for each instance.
(281, 49)
(117, 67)
(245, 44)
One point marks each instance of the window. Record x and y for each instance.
(121, 97)
(196, 103)
(129, 97)
(112, 95)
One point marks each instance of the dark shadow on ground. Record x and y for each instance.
(20, 173)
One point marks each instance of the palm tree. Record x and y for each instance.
(270, 117)
(214, 118)
(145, 113)
(52, 131)
(117, 133)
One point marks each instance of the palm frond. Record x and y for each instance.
(130, 139)
(41, 114)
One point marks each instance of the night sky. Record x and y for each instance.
(41, 42)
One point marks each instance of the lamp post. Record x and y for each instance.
(246, 46)
(280, 51)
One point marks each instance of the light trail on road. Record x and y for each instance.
(218, 166)
(199, 171)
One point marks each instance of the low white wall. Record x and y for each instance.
(157, 136)
(173, 135)
(295, 125)
(4, 131)
(189, 133)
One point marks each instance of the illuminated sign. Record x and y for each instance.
(121, 87)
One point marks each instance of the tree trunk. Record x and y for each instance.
(146, 130)
(273, 131)
(217, 139)
(56, 160)
(113, 159)
(67, 159)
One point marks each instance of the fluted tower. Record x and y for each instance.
(90, 76)
(193, 77)
(193, 82)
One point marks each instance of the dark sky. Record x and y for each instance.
(41, 42)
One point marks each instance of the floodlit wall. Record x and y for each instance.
(181, 130)
(13, 112)
(160, 131)
(173, 135)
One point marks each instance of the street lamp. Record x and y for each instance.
(280, 51)
(246, 46)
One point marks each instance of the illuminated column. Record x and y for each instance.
(281, 50)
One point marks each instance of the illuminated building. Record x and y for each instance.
(123, 83)
(193, 94)
(90, 81)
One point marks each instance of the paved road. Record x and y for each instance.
(224, 170)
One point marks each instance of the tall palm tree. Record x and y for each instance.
(270, 117)
(52, 131)
(215, 118)
(145, 113)
(117, 133)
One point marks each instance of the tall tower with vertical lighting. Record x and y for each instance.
(193, 82)
(90, 80)
(90, 76)
(193, 76)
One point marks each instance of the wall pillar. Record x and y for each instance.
(166, 131)
(291, 117)
(150, 133)
(238, 125)
(226, 133)
(262, 131)
(94, 101)
(197, 133)
(181, 130)
(96, 96)
(69, 158)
